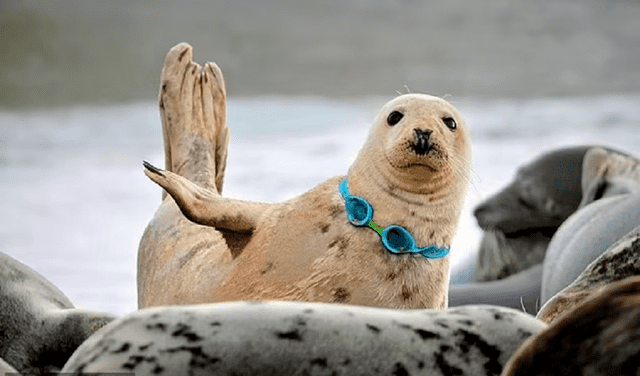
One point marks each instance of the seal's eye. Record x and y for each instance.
(394, 117)
(450, 123)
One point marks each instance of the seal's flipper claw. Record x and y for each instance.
(152, 168)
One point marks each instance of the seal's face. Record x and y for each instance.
(421, 131)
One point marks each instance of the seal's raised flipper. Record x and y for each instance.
(192, 104)
(206, 207)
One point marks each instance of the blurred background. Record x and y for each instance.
(78, 112)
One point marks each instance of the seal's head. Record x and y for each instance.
(414, 167)
(414, 137)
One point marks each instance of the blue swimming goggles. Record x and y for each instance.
(395, 238)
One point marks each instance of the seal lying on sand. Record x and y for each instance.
(294, 338)
(520, 220)
(375, 237)
(39, 327)
(599, 337)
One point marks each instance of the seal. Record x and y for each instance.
(609, 210)
(301, 338)
(620, 261)
(599, 337)
(606, 175)
(411, 176)
(520, 219)
(39, 327)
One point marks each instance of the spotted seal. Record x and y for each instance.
(301, 338)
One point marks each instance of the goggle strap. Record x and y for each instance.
(432, 251)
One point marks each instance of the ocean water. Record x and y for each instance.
(75, 201)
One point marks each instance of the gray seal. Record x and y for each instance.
(620, 261)
(39, 326)
(301, 338)
(608, 211)
(519, 220)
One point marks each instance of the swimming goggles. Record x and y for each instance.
(395, 238)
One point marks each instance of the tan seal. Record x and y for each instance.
(414, 171)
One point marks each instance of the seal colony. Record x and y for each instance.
(301, 338)
(413, 170)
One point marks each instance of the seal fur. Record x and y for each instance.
(39, 326)
(305, 249)
(301, 338)
(601, 336)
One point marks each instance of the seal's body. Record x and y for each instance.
(299, 338)
(39, 326)
(413, 170)
(620, 261)
(601, 336)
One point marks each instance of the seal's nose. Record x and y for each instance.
(421, 142)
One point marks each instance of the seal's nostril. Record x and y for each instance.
(421, 141)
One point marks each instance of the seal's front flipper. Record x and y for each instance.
(206, 207)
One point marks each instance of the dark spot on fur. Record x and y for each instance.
(198, 359)
(157, 326)
(399, 370)
(134, 360)
(195, 68)
(498, 316)
(404, 326)
(215, 323)
(524, 333)
(442, 324)
(324, 227)
(465, 322)
(320, 362)
(445, 367)
(292, 335)
(406, 294)
(308, 311)
(420, 364)
(269, 267)
(124, 348)
(182, 54)
(184, 331)
(346, 362)
(391, 276)
(425, 334)
(145, 346)
(342, 244)
(491, 366)
(158, 369)
(432, 234)
(340, 295)
(336, 210)
(373, 328)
